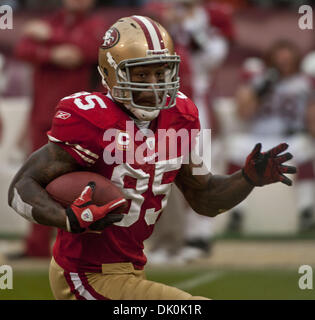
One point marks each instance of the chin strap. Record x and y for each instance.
(143, 115)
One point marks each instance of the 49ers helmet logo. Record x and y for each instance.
(111, 38)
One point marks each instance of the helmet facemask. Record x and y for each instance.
(124, 90)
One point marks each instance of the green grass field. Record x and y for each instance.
(223, 284)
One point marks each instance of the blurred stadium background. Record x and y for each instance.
(261, 261)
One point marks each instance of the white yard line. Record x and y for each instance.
(204, 278)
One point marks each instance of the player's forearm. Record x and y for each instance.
(219, 194)
(27, 194)
(225, 192)
(32, 202)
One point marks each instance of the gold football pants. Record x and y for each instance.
(118, 281)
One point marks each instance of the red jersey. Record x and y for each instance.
(100, 135)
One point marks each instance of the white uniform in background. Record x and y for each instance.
(280, 118)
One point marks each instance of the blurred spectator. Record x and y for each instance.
(62, 49)
(272, 105)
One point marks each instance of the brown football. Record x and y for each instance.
(66, 188)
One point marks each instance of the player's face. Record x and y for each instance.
(78, 5)
(151, 74)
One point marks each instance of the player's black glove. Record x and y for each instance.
(82, 214)
(263, 168)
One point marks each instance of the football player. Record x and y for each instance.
(139, 68)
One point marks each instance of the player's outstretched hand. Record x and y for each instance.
(82, 214)
(263, 168)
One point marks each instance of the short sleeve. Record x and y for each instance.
(75, 135)
(186, 119)
(194, 124)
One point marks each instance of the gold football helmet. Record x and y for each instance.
(139, 41)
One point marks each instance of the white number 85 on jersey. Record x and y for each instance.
(142, 186)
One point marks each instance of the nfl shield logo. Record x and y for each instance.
(87, 215)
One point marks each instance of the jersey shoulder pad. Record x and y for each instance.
(186, 107)
(96, 108)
